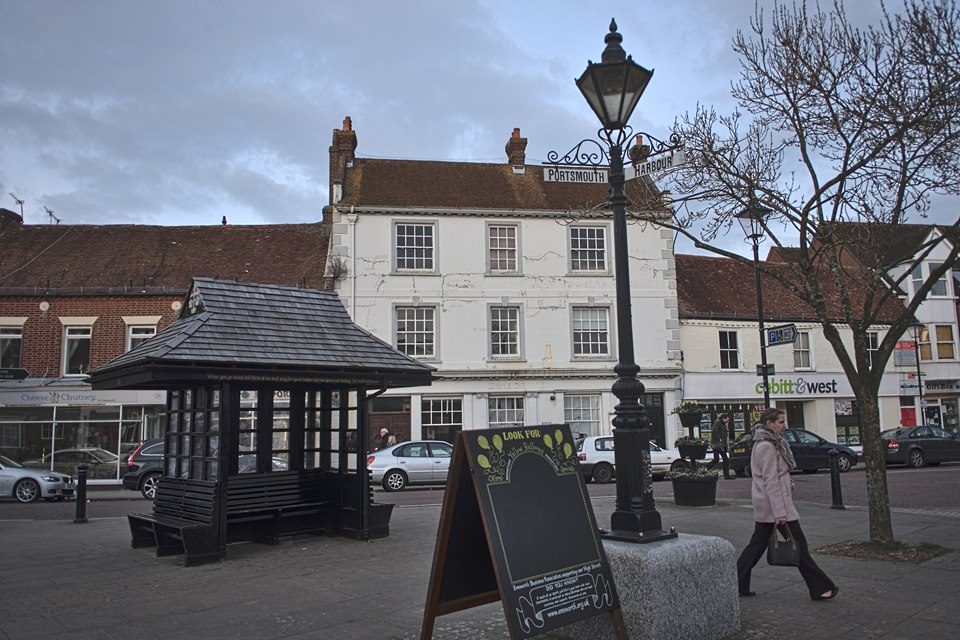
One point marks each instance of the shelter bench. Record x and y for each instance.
(184, 520)
(265, 506)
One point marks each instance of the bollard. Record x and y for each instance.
(81, 516)
(835, 479)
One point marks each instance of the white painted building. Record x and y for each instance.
(498, 279)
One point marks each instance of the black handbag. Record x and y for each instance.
(783, 553)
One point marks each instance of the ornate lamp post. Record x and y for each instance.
(612, 87)
(751, 219)
(917, 328)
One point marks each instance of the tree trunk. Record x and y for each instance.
(881, 526)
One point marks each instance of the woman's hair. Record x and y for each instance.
(770, 415)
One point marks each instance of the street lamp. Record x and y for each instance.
(917, 327)
(751, 220)
(612, 87)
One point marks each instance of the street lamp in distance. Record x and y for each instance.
(917, 328)
(751, 220)
(612, 88)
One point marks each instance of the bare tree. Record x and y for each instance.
(835, 124)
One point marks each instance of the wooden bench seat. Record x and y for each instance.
(266, 506)
(184, 520)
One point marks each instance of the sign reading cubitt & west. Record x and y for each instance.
(517, 526)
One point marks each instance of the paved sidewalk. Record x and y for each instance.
(65, 581)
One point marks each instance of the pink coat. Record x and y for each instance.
(772, 489)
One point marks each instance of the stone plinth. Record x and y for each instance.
(674, 589)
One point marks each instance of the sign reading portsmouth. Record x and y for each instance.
(580, 175)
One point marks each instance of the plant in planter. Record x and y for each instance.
(694, 486)
(692, 448)
(689, 413)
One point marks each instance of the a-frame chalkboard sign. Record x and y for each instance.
(517, 526)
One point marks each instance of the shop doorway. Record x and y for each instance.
(653, 402)
(795, 414)
(392, 414)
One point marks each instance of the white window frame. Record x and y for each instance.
(572, 262)
(13, 334)
(516, 270)
(736, 335)
(434, 243)
(139, 332)
(499, 411)
(71, 334)
(944, 279)
(801, 349)
(441, 406)
(433, 355)
(873, 346)
(491, 333)
(587, 411)
(607, 345)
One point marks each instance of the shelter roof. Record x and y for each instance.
(253, 332)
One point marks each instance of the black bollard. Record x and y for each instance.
(81, 516)
(835, 479)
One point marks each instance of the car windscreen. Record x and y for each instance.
(103, 455)
(891, 433)
(744, 439)
(7, 462)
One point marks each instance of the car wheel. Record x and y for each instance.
(602, 473)
(394, 480)
(844, 462)
(679, 465)
(27, 490)
(915, 459)
(149, 486)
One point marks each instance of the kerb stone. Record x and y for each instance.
(673, 589)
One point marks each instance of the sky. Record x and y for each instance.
(185, 111)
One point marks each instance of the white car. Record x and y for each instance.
(595, 454)
(407, 463)
(29, 485)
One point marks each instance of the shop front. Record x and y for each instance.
(61, 423)
(941, 404)
(819, 402)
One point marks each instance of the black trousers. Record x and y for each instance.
(717, 454)
(817, 581)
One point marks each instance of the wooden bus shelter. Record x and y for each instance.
(266, 418)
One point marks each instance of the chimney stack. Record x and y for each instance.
(342, 156)
(516, 151)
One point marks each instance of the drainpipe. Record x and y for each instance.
(352, 219)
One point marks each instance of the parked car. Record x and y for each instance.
(408, 463)
(917, 446)
(144, 467)
(100, 462)
(810, 451)
(247, 463)
(595, 454)
(29, 485)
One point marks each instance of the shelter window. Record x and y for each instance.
(11, 339)
(193, 433)
(248, 431)
(76, 350)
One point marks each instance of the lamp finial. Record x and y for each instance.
(614, 52)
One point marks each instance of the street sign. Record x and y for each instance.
(785, 334)
(654, 164)
(575, 174)
(13, 374)
(770, 370)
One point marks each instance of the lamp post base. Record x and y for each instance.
(641, 537)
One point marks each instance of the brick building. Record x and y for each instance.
(73, 297)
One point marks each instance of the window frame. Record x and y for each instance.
(64, 352)
(873, 346)
(518, 266)
(519, 356)
(951, 342)
(11, 334)
(435, 355)
(800, 350)
(142, 339)
(434, 247)
(519, 406)
(428, 410)
(568, 412)
(573, 333)
(736, 350)
(607, 250)
(944, 279)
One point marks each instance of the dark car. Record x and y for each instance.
(809, 450)
(917, 446)
(144, 466)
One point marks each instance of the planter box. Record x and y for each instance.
(690, 420)
(695, 492)
(692, 451)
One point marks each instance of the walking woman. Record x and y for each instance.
(772, 495)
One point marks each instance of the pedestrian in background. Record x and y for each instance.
(719, 435)
(772, 495)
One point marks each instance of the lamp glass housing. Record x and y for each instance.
(612, 90)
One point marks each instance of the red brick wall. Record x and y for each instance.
(42, 345)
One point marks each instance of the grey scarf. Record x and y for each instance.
(761, 433)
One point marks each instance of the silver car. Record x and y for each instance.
(407, 463)
(29, 485)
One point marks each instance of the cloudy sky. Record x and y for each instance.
(183, 111)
